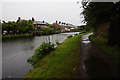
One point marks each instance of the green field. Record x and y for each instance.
(63, 62)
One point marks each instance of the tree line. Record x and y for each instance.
(25, 27)
(97, 14)
(13, 28)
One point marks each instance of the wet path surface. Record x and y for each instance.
(94, 63)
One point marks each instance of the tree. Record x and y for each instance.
(46, 30)
(30, 26)
(99, 13)
(20, 27)
(114, 30)
(96, 13)
(25, 26)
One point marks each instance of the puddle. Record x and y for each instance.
(85, 38)
(86, 42)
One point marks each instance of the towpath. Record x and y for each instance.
(94, 63)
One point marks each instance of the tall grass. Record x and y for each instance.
(112, 52)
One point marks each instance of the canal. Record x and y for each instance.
(15, 53)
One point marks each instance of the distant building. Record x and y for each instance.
(64, 27)
(39, 23)
(57, 25)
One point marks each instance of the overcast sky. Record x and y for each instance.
(48, 10)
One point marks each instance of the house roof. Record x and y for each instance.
(40, 22)
(57, 26)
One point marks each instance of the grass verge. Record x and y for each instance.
(112, 52)
(61, 63)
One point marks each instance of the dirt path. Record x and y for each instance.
(93, 62)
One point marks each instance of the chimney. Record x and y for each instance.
(3, 21)
(19, 19)
(33, 19)
(59, 22)
(56, 22)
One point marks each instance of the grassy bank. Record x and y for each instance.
(60, 63)
(112, 52)
(5, 37)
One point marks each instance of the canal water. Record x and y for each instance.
(15, 53)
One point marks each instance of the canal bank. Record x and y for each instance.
(64, 62)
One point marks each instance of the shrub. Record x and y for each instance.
(38, 33)
(84, 31)
(69, 36)
(43, 50)
(76, 34)
(57, 43)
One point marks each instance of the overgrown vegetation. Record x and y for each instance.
(43, 50)
(69, 36)
(44, 31)
(98, 14)
(57, 43)
(112, 52)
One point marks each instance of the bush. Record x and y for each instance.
(57, 43)
(43, 50)
(83, 31)
(76, 34)
(69, 36)
(38, 33)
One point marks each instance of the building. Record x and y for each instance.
(57, 26)
(64, 27)
(39, 23)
